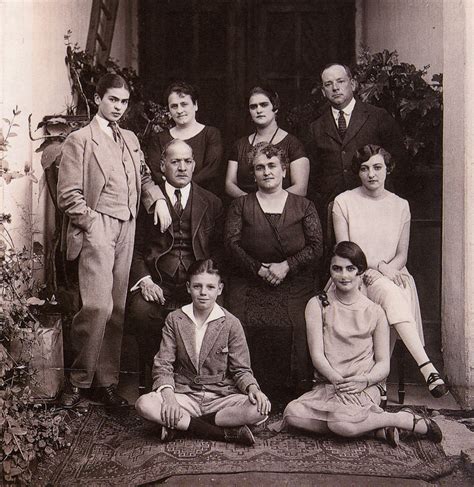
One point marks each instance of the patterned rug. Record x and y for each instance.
(119, 448)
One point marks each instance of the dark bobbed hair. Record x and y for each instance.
(204, 266)
(182, 88)
(269, 92)
(170, 144)
(351, 251)
(110, 80)
(330, 65)
(268, 150)
(366, 152)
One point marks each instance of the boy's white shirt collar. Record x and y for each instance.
(216, 313)
(185, 191)
(104, 125)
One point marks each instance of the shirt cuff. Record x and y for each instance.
(137, 284)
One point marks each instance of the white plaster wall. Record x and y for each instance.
(33, 76)
(458, 204)
(412, 27)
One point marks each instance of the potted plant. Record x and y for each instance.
(29, 428)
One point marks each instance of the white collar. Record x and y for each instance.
(103, 123)
(216, 313)
(347, 110)
(184, 193)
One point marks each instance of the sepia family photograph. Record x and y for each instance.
(236, 242)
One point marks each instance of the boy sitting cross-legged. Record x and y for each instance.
(202, 377)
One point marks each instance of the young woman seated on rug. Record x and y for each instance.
(348, 338)
(202, 377)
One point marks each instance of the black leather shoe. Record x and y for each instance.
(109, 396)
(241, 435)
(70, 396)
(167, 434)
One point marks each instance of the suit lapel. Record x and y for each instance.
(330, 126)
(102, 155)
(134, 152)
(186, 331)
(358, 118)
(210, 337)
(198, 209)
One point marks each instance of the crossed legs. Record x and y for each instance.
(399, 315)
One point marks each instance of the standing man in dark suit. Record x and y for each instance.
(161, 260)
(101, 178)
(344, 127)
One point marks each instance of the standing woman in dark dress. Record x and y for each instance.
(263, 108)
(205, 141)
(274, 238)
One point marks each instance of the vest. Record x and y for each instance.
(182, 251)
(119, 196)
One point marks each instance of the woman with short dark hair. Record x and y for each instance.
(379, 222)
(274, 238)
(264, 104)
(205, 141)
(348, 339)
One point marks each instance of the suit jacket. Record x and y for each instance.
(223, 365)
(151, 244)
(83, 175)
(331, 156)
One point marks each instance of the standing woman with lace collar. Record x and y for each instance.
(263, 107)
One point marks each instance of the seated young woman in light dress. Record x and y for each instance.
(348, 338)
(379, 222)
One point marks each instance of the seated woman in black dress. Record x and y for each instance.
(263, 108)
(205, 141)
(274, 238)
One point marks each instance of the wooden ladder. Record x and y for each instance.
(101, 29)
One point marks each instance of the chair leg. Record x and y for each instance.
(142, 386)
(401, 372)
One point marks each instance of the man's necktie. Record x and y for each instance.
(178, 206)
(115, 131)
(341, 124)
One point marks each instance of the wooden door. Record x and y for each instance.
(226, 46)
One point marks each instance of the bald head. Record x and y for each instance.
(177, 163)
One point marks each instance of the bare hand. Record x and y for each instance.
(162, 215)
(370, 276)
(276, 272)
(151, 291)
(263, 271)
(394, 275)
(352, 385)
(171, 411)
(256, 396)
(279, 270)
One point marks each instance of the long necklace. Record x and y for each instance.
(342, 302)
(270, 141)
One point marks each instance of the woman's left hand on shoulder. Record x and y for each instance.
(370, 276)
(395, 275)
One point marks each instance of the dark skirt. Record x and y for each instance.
(274, 324)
